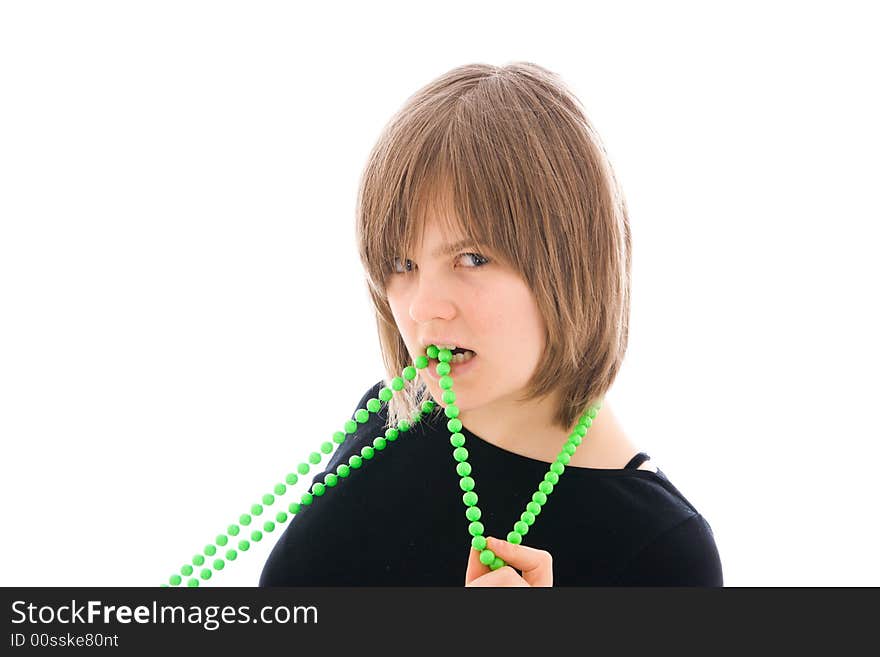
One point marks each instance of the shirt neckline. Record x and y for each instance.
(487, 446)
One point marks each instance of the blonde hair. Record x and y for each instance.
(528, 177)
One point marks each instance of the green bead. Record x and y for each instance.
(487, 557)
(385, 394)
(174, 580)
(445, 382)
(557, 467)
(256, 536)
(497, 563)
(193, 582)
(244, 519)
(268, 499)
(463, 469)
(187, 570)
(432, 351)
(326, 447)
(318, 489)
(221, 540)
(470, 498)
(373, 405)
(580, 430)
(527, 517)
(569, 449)
(367, 452)
(350, 426)
(444, 355)
(391, 434)
(280, 489)
(403, 425)
(521, 527)
(219, 564)
(379, 443)
(343, 470)
(443, 368)
(454, 425)
(575, 440)
(338, 438)
(281, 517)
(460, 454)
(269, 526)
(552, 477)
(294, 507)
(256, 510)
(427, 406)
(563, 458)
(457, 439)
(539, 497)
(355, 461)
(451, 411)
(397, 383)
(467, 483)
(303, 468)
(306, 499)
(545, 487)
(206, 573)
(409, 373)
(210, 550)
(473, 513)
(291, 479)
(314, 458)
(514, 537)
(593, 412)
(362, 415)
(478, 543)
(331, 480)
(244, 546)
(198, 560)
(421, 362)
(231, 555)
(416, 417)
(448, 396)
(534, 508)
(232, 530)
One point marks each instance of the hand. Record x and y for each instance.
(536, 566)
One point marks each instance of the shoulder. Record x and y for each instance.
(354, 442)
(373, 391)
(683, 554)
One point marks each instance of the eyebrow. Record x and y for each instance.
(448, 249)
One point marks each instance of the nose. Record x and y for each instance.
(431, 301)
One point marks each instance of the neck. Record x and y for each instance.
(526, 429)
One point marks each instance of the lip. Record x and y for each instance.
(457, 370)
(457, 343)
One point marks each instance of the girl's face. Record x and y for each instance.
(468, 298)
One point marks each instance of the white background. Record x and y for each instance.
(183, 316)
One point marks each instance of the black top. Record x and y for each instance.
(399, 519)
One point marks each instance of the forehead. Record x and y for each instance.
(437, 227)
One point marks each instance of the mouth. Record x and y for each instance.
(458, 367)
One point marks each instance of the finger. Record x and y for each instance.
(536, 565)
(504, 576)
(475, 567)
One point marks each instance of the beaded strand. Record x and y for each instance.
(355, 462)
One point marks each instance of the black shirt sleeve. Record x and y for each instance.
(683, 555)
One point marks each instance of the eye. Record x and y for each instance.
(480, 260)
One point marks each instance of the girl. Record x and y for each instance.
(489, 221)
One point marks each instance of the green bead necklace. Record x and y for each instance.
(459, 453)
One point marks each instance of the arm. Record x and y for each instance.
(683, 555)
